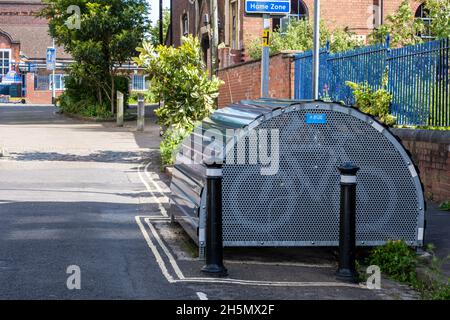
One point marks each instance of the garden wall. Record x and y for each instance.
(430, 150)
(243, 81)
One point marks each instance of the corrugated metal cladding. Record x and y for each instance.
(296, 201)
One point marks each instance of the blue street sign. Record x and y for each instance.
(51, 58)
(315, 118)
(274, 7)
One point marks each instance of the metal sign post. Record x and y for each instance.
(266, 9)
(51, 66)
(265, 57)
(316, 53)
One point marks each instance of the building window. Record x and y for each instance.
(185, 25)
(43, 82)
(423, 15)
(5, 61)
(298, 11)
(59, 82)
(234, 25)
(139, 83)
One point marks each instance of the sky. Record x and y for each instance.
(154, 11)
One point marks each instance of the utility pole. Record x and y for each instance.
(161, 22)
(54, 78)
(214, 36)
(316, 56)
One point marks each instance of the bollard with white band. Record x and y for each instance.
(214, 243)
(140, 113)
(347, 226)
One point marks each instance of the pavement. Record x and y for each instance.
(92, 195)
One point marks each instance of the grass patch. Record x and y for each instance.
(399, 262)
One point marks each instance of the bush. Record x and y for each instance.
(401, 26)
(80, 98)
(172, 139)
(397, 260)
(178, 77)
(149, 97)
(299, 36)
(375, 103)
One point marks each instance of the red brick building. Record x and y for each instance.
(236, 30)
(24, 40)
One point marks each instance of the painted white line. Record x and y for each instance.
(160, 206)
(149, 176)
(169, 255)
(202, 296)
(155, 252)
(177, 270)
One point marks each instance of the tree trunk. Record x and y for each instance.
(112, 93)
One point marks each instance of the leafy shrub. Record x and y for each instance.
(375, 103)
(149, 97)
(299, 36)
(178, 77)
(401, 26)
(80, 98)
(397, 260)
(445, 205)
(172, 139)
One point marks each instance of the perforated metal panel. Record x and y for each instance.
(300, 204)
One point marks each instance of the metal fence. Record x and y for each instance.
(418, 78)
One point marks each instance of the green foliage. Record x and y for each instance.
(445, 205)
(79, 98)
(375, 103)
(402, 27)
(108, 35)
(397, 260)
(149, 97)
(172, 139)
(154, 28)
(439, 12)
(299, 36)
(178, 77)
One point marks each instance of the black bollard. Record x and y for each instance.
(214, 244)
(347, 225)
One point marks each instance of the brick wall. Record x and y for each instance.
(430, 151)
(356, 15)
(243, 81)
(38, 96)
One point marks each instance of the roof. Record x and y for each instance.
(29, 30)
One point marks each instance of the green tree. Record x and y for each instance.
(107, 36)
(299, 36)
(154, 28)
(402, 27)
(439, 12)
(179, 77)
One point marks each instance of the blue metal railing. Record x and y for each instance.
(418, 78)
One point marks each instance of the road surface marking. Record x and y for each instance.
(184, 279)
(160, 206)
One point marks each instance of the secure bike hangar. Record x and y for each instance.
(298, 203)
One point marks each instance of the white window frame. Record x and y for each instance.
(9, 60)
(144, 82)
(61, 85)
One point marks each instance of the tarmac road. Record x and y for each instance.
(69, 195)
